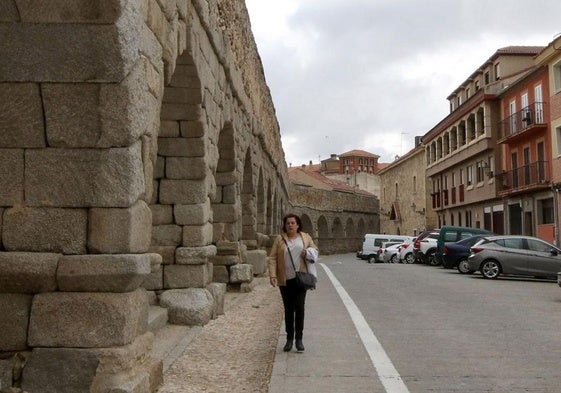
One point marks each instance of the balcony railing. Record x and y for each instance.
(529, 117)
(535, 175)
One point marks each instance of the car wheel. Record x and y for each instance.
(490, 269)
(371, 259)
(463, 267)
(431, 257)
(394, 258)
(409, 258)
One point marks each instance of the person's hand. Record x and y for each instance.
(303, 253)
(273, 281)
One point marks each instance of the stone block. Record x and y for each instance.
(181, 147)
(187, 168)
(241, 272)
(225, 260)
(196, 214)
(227, 213)
(27, 272)
(229, 194)
(187, 276)
(169, 129)
(167, 253)
(84, 177)
(11, 175)
(197, 235)
(257, 259)
(14, 309)
(182, 95)
(87, 320)
(160, 168)
(194, 255)
(1, 218)
(98, 115)
(166, 235)
(8, 13)
(192, 129)
(225, 247)
(102, 273)
(76, 11)
(191, 306)
(218, 291)
(60, 370)
(120, 231)
(89, 370)
(183, 192)
(181, 111)
(60, 55)
(45, 230)
(155, 280)
(21, 115)
(220, 274)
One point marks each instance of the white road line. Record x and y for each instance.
(387, 373)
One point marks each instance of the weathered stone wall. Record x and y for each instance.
(139, 153)
(336, 220)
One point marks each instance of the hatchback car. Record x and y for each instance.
(515, 255)
(406, 251)
(455, 254)
(390, 253)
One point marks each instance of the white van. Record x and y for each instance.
(373, 241)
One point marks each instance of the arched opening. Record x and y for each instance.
(248, 200)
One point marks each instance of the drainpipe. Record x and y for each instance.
(555, 188)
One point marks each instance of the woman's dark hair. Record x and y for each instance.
(296, 217)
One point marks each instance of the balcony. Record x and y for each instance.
(522, 122)
(532, 177)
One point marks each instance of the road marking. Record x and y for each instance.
(387, 373)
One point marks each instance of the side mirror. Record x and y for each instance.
(554, 252)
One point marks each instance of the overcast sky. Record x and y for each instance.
(373, 74)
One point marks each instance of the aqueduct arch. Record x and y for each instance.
(141, 153)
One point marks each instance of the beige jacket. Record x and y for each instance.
(276, 257)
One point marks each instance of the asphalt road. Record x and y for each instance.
(447, 332)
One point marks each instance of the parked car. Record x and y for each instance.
(382, 249)
(390, 253)
(425, 247)
(516, 255)
(406, 251)
(455, 254)
(372, 243)
(453, 234)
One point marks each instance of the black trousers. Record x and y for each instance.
(294, 300)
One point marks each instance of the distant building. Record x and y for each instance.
(357, 168)
(404, 194)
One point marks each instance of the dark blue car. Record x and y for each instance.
(457, 252)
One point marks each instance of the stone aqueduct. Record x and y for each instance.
(139, 150)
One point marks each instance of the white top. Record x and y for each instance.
(295, 246)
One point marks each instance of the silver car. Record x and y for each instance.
(516, 255)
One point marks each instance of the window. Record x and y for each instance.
(545, 211)
(479, 171)
(468, 93)
(557, 76)
(469, 171)
(487, 78)
(477, 86)
(497, 72)
(459, 100)
(461, 176)
(414, 184)
(558, 134)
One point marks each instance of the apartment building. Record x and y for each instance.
(462, 153)
(524, 137)
(550, 57)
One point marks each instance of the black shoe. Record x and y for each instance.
(299, 345)
(287, 346)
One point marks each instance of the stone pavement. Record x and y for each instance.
(335, 359)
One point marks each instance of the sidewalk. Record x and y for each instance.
(335, 359)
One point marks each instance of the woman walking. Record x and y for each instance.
(292, 251)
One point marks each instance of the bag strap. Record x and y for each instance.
(289, 253)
